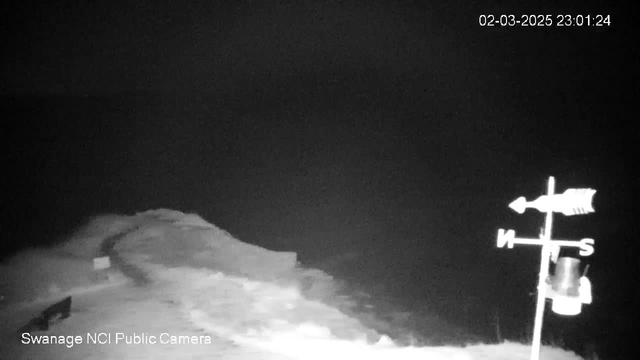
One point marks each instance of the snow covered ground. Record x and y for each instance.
(205, 295)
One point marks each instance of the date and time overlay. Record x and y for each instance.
(533, 20)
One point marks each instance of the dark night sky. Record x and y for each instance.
(391, 135)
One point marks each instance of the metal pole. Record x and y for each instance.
(544, 272)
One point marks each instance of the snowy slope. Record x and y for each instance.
(206, 295)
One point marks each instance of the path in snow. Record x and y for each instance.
(133, 272)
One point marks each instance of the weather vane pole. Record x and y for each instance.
(567, 290)
(544, 273)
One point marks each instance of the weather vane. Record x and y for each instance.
(567, 288)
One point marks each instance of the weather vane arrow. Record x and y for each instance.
(571, 202)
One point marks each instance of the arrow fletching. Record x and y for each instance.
(577, 201)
